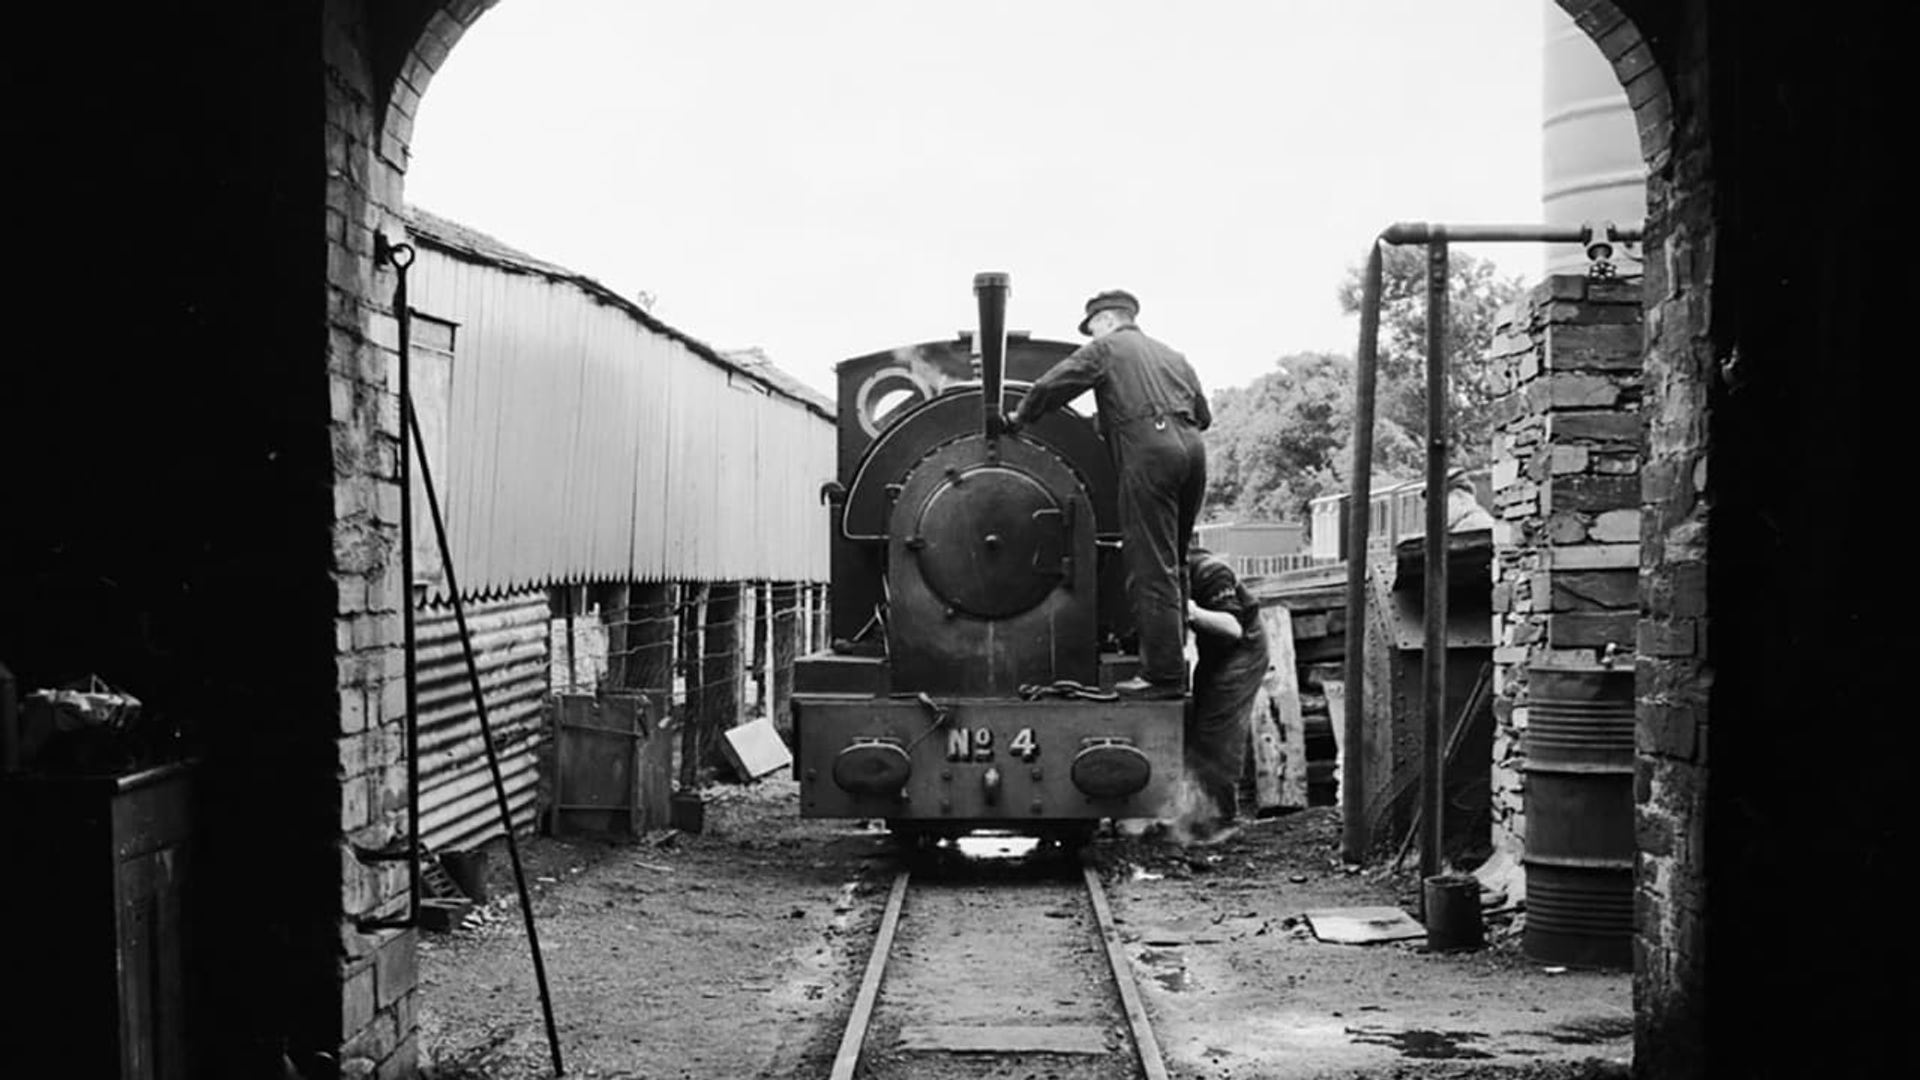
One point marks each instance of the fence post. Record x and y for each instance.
(692, 598)
(720, 669)
(786, 598)
(613, 600)
(762, 626)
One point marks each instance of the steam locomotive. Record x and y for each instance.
(979, 617)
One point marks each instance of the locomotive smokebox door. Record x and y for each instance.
(990, 571)
(982, 537)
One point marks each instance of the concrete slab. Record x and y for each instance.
(755, 749)
(1363, 925)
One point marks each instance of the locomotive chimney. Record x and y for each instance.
(991, 290)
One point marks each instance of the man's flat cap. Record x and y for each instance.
(1111, 300)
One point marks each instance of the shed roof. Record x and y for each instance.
(461, 240)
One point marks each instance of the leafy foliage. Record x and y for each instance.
(1474, 297)
(1287, 438)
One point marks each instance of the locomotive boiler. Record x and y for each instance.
(979, 619)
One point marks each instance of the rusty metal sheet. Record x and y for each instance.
(458, 808)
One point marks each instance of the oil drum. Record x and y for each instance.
(1579, 817)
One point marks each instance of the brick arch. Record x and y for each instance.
(1673, 677)
(1630, 54)
(427, 43)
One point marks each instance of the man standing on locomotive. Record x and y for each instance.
(1152, 411)
(1233, 662)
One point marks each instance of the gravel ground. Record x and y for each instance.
(736, 953)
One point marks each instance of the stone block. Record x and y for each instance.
(1653, 832)
(357, 998)
(1679, 589)
(1569, 312)
(1567, 459)
(1669, 637)
(1595, 347)
(1574, 390)
(1615, 464)
(1598, 425)
(1616, 526)
(1591, 629)
(353, 710)
(355, 812)
(1505, 473)
(404, 1062)
(375, 1040)
(1566, 527)
(1596, 590)
(1667, 729)
(1594, 494)
(396, 967)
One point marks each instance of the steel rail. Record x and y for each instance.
(1145, 1047)
(855, 1037)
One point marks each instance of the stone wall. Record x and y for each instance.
(1566, 491)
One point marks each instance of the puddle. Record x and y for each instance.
(1167, 968)
(1587, 1030)
(1422, 1043)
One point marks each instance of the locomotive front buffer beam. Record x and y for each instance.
(989, 763)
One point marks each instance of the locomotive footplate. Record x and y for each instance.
(985, 762)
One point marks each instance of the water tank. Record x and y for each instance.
(1591, 169)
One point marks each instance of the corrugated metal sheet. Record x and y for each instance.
(588, 441)
(457, 804)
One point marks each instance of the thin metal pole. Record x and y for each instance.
(1434, 643)
(401, 256)
(1353, 802)
(486, 728)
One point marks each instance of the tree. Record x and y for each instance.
(1475, 296)
(1285, 439)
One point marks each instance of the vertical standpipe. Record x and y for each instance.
(991, 289)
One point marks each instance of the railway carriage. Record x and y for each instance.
(979, 615)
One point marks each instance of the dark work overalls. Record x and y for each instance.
(1152, 412)
(1225, 681)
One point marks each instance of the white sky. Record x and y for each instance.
(822, 179)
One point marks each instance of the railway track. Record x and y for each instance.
(998, 968)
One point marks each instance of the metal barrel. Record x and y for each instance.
(1579, 818)
(991, 290)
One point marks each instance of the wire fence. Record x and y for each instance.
(696, 643)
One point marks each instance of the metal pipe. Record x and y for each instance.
(412, 424)
(1420, 232)
(1353, 805)
(1434, 642)
(1353, 844)
(991, 291)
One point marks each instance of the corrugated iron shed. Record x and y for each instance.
(587, 440)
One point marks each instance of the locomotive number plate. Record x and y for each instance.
(976, 744)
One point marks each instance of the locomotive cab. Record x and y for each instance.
(979, 617)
